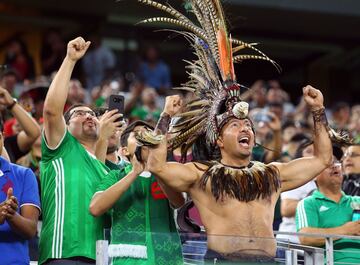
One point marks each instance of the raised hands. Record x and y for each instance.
(9, 207)
(77, 48)
(313, 98)
(5, 97)
(109, 123)
(173, 104)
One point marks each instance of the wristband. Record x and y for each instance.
(163, 123)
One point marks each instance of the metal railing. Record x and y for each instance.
(314, 255)
(195, 247)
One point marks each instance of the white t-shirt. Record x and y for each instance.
(288, 223)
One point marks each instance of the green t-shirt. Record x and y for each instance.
(143, 228)
(145, 114)
(320, 211)
(69, 177)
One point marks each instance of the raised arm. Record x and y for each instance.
(300, 171)
(176, 176)
(30, 129)
(104, 200)
(54, 123)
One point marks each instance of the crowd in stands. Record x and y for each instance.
(34, 136)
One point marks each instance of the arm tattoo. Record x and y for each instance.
(163, 123)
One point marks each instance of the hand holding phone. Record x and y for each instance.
(117, 102)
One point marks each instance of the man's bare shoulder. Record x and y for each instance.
(278, 165)
(198, 167)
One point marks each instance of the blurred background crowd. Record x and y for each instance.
(282, 122)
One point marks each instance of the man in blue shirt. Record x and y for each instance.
(154, 72)
(19, 210)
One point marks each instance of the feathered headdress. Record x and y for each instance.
(212, 75)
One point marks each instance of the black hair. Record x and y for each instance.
(126, 133)
(288, 124)
(303, 144)
(340, 105)
(336, 149)
(7, 72)
(67, 113)
(298, 137)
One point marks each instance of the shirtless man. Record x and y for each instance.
(235, 228)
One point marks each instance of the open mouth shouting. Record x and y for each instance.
(244, 141)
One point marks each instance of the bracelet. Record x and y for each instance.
(320, 116)
(10, 107)
(163, 123)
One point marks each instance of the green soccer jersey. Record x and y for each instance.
(69, 177)
(322, 212)
(143, 229)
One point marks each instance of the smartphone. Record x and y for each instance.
(117, 102)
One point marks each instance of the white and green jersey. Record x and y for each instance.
(69, 177)
(319, 211)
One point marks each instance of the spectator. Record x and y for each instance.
(289, 129)
(278, 100)
(8, 81)
(291, 148)
(108, 144)
(149, 236)
(268, 135)
(329, 211)
(354, 126)
(53, 50)
(341, 115)
(258, 94)
(19, 211)
(20, 143)
(154, 72)
(148, 110)
(351, 168)
(69, 172)
(17, 57)
(97, 63)
(77, 94)
(33, 98)
(291, 198)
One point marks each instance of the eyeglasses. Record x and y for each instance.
(82, 113)
(352, 155)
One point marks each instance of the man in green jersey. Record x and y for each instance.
(70, 172)
(143, 228)
(330, 211)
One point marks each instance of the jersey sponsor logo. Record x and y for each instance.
(323, 208)
(145, 174)
(157, 192)
(57, 241)
(7, 185)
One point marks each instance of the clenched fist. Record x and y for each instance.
(313, 98)
(173, 104)
(77, 48)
